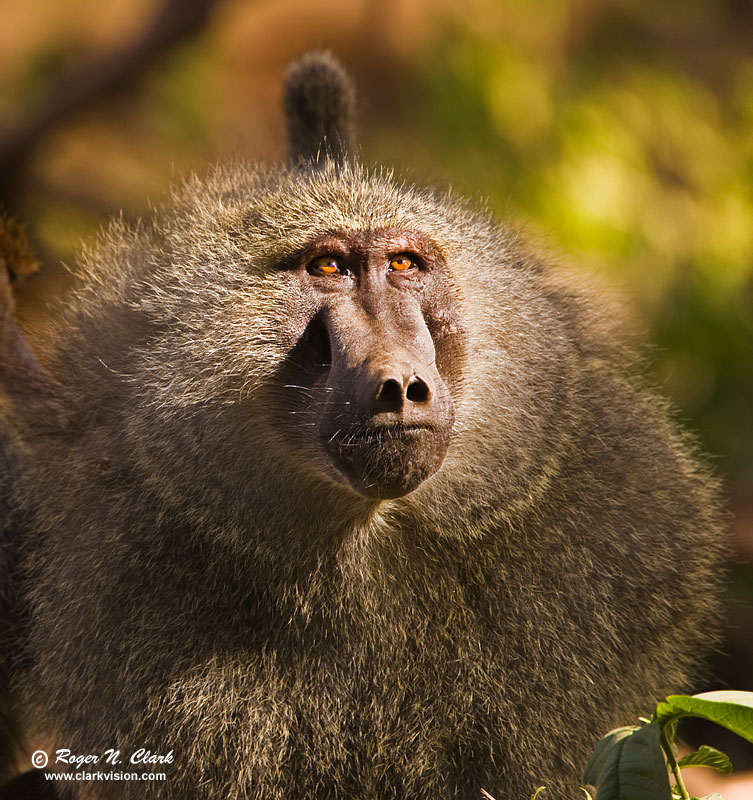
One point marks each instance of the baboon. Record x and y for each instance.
(337, 490)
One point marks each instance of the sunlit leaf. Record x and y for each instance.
(731, 710)
(707, 756)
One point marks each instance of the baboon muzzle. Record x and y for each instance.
(388, 413)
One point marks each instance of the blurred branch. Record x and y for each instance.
(92, 80)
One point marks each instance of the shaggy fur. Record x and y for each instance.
(196, 584)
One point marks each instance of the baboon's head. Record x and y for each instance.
(285, 331)
(300, 323)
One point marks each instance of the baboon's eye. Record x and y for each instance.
(326, 265)
(402, 262)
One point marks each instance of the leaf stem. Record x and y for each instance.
(673, 765)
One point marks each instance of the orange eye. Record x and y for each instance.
(401, 263)
(325, 265)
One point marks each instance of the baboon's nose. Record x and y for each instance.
(394, 392)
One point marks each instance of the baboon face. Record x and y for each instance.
(375, 360)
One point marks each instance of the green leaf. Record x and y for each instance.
(707, 756)
(602, 752)
(628, 764)
(731, 710)
(670, 735)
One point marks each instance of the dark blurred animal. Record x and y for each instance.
(335, 490)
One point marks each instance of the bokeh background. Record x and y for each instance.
(618, 132)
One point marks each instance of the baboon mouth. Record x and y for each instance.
(388, 461)
(383, 433)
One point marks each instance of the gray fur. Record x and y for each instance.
(197, 584)
(25, 393)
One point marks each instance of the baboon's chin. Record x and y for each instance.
(385, 463)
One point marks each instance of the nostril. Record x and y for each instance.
(418, 391)
(390, 395)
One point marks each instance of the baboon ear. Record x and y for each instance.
(319, 101)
